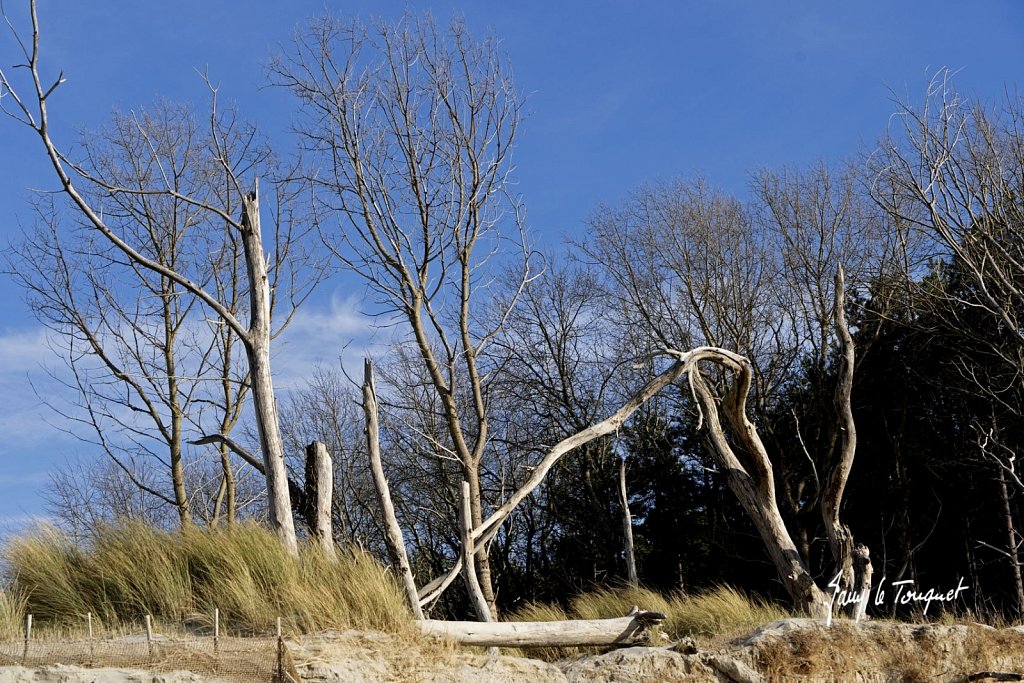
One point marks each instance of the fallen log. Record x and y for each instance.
(628, 630)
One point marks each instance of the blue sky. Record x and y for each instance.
(619, 93)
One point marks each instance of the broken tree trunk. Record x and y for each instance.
(257, 350)
(319, 490)
(392, 532)
(862, 572)
(627, 630)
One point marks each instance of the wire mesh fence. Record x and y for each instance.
(218, 658)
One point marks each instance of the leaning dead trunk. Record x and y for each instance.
(752, 479)
(392, 532)
(257, 348)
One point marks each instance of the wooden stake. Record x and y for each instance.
(216, 639)
(280, 652)
(149, 635)
(28, 635)
(92, 645)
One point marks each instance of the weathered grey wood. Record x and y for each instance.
(319, 491)
(392, 532)
(627, 527)
(476, 594)
(839, 535)
(752, 480)
(257, 349)
(618, 631)
(862, 572)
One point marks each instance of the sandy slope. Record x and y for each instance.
(795, 649)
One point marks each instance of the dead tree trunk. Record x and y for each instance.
(627, 527)
(319, 491)
(839, 535)
(392, 532)
(476, 595)
(862, 572)
(1013, 543)
(257, 347)
(752, 480)
(626, 630)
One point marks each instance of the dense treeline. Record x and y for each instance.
(873, 308)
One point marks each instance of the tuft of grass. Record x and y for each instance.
(12, 614)
(128, 571)
(607, 603)
(878, 650)
(538, 611)
(721, 611)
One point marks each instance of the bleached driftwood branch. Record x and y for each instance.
(626, 630)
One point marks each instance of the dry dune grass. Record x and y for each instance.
(129, 571)
(896, 652)
(714, 614)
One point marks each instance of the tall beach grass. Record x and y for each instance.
(717, 612)
(128, 571)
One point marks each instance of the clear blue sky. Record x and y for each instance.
(619, 93)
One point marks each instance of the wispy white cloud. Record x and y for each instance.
(325, 334)
(26, 383)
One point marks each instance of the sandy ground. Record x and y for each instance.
(790, 650)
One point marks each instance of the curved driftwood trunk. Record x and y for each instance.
(752, 478)
(626, 630)
(853, 573)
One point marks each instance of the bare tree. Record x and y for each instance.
(692, 267)
(1004, 459)
(952, 171)
(134, 341)
(414, 126)
(822, 227)
(240, 219)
